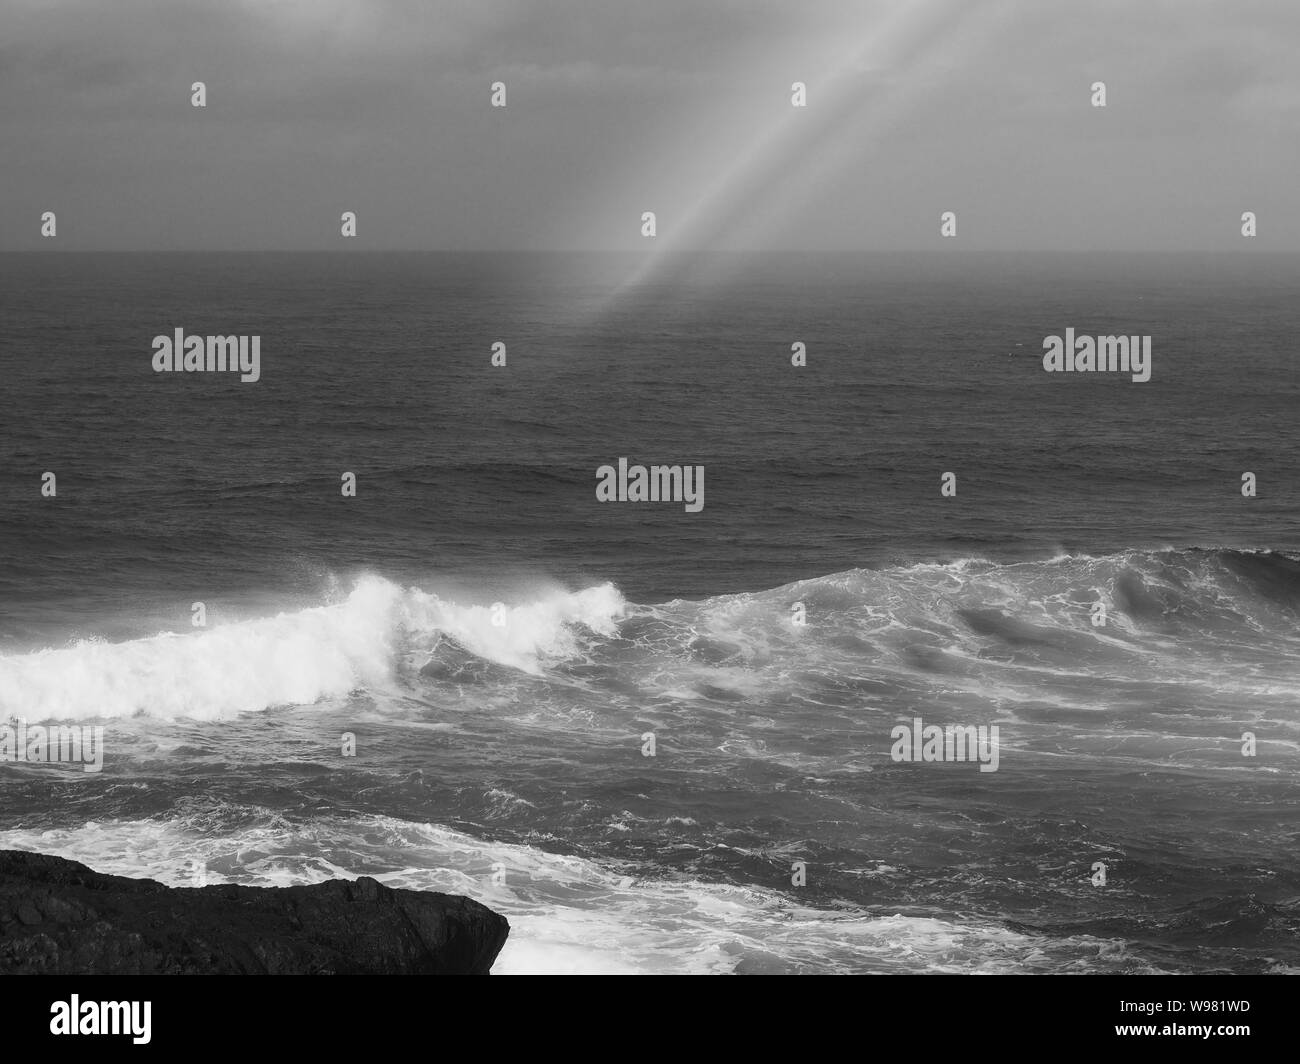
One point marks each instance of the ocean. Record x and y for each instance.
(604, 719)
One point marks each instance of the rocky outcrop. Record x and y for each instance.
(60, 917)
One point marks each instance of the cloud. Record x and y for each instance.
(617, 107)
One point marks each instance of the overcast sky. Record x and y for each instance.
(677, 106)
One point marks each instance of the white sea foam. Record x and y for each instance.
(569, 915)
(292, 658)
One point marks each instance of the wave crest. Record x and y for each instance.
(292, 658)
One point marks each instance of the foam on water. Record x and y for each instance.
(996, 635)
(567, 915)
(292, 658)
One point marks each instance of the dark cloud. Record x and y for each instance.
(681, 106)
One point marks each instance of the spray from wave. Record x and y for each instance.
(965, 618)
(293, 658)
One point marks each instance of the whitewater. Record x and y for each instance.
(499, 753)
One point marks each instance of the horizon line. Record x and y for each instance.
(675, 252)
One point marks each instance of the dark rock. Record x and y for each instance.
(60, 917)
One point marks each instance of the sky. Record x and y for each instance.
(680, 107)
